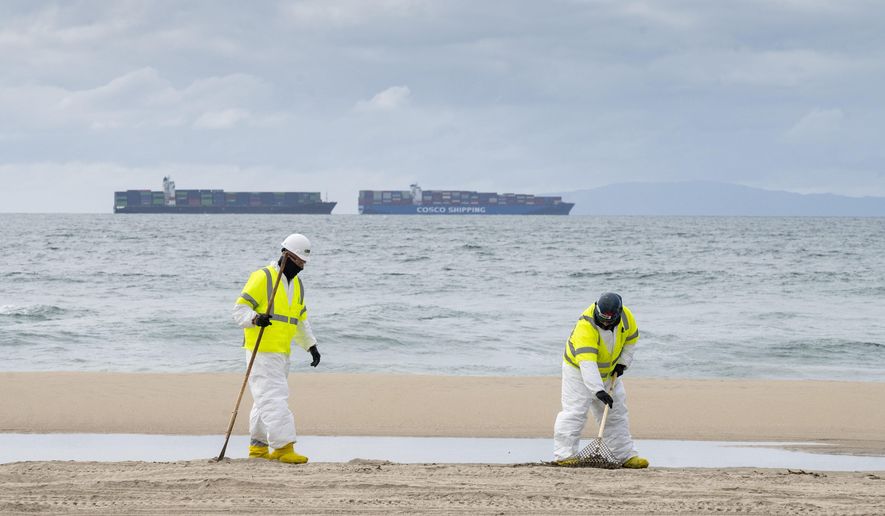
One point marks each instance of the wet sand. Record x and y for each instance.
(847, 415)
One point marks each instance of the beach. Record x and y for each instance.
(843, 415)
(244, 486)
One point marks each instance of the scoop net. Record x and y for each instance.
(595, 455)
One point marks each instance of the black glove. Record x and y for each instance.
(619, 369)
(315, 353)
(262, 320)
(605, 398)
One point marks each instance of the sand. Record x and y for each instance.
(253, 486)
(847, 415)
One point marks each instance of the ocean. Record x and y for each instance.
(714, 297)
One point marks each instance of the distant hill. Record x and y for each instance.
(709, 198)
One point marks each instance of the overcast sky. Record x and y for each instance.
(518, 96)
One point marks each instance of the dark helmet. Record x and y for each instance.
(608, 310)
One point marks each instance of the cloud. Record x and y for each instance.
(318, 14)
(518, 95)
(784, 67)
(390, 99)
(138, 99)
(755, 68)
(816, 125)
(224, 119)
(815, 6)
(656, 13)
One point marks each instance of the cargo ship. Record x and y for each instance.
(457, 202)
(171, 200)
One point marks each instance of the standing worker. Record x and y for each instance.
(271, 422)
(601, 345)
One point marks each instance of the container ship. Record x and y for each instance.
(171, 200)
(457, 202)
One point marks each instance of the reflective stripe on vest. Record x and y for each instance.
(283, 318)
(580, 351)
(269, 284)
(569, 360)
(250, 299)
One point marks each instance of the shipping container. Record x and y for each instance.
(218, 201)
(458, 202)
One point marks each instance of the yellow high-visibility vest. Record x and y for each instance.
(585, 343)
(285, 317)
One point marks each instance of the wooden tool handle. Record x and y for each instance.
(611, 391)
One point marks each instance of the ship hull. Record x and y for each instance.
(521, 209)
(320, 208)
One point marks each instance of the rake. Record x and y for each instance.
(596, 454)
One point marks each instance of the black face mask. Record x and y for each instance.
(291, 270)
(607, 325)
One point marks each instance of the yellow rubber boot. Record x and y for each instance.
(635, 463)
(287, 454)
(257, 451)
(571, 461)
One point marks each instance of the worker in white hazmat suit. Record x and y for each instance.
(271, 423)
(601, 345)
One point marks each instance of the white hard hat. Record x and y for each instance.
(297, 244)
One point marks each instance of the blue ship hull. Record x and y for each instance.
(457, 209)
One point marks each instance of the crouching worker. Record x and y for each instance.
(602, 344)
(271, 422)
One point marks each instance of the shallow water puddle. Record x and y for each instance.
(661, 453)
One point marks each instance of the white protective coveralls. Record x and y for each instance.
(579, 388)
(271, 421)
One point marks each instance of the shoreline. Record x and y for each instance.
(843, 415)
